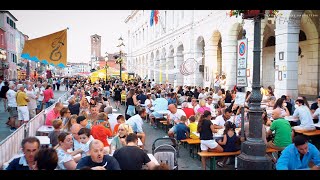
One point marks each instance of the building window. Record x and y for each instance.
(14, 25)
(271, 41)
(8, 20)
(1, 40)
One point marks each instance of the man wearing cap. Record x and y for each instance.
(22, 103)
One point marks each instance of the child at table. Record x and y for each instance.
(229, 142)
(53, 135)
(193, 127)
(85, 139)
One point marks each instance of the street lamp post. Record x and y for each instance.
(253, 151)
(119, 60)
(107, 58)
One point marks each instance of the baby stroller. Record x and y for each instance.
(166, 152)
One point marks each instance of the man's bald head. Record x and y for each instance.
(172, 108)
(276, 113)
(75, 128)
(94, 143)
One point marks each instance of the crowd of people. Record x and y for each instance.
(83, 127)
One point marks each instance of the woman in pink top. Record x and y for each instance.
(203, 107)
(47, 95)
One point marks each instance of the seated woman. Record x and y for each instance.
(202, 107)
(66, 160)
(282, 105)
(120, 139)
(221, 107)
(229, 142)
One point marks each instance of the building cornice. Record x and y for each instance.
(8, 12)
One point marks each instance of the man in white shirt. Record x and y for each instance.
(173, 117)
(194, 104)
(202, 95)
(303, 113)
(219, 122)
(39, 92)
(12, 107)
(210, 105)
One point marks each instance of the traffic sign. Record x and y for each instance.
(242, 63)
(242, 82)
(241, 72)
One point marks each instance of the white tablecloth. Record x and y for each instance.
(45, 129)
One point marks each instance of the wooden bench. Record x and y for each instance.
(165, 125)
(213, 155)
(303, 131)
(312, 133)
(194, 145)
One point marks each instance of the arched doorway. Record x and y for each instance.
(308, 54)
(200, 58)
(268, 56)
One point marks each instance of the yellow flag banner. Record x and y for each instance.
(50, 49)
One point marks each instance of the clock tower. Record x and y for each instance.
(95, 50)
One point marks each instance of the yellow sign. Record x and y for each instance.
(52, 48)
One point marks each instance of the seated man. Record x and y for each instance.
(181, 130)
(97, 160)
(54, 113)
(303, 113)
(131, 157)
(30, 147)
(136, 123)
(298, 155)
(174, 117)
(283, 132)
(219, 122)
(160, 104)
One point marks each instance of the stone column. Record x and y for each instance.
(229, 61)
(178, 60)
(287, 48)
(198, 77)
(170, 69)
(156, 70)
(162, 70)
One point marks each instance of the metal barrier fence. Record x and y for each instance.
(12, 144)
(35, 124)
